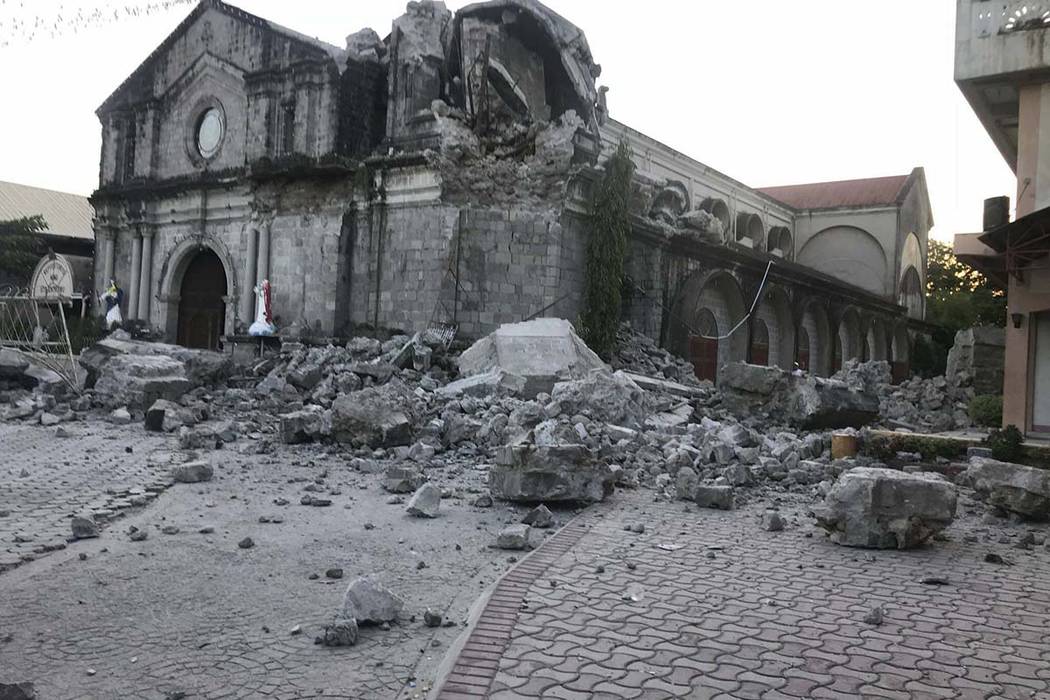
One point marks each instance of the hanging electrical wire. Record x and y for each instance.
(734, 329)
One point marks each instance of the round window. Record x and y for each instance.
(209, 132)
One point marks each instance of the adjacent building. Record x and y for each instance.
(1002, 66)
(69, 235)
(442, 175)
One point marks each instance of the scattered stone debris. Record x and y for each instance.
(874, 616)
(885, 508)
(772, 521)
(370, 602)
(17, 691)
(341, 633)
(432, 619)
(192, 472)
(514, 537)
(246, 543)
(539, 517)
(84, 527)
(425, 501)
(1011, 487)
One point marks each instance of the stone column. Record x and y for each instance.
(109, 251)
(247, 300)
(146, 276)
(136, 272)
(262, 268)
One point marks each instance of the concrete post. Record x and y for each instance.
(146, 276)
(247, 300)
(136, 271)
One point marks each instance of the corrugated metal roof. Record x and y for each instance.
(868, 192)
(66, 214)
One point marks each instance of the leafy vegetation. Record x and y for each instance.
(606, 250)
(1006, 444)
(886, 447)
(957, 297)
(20, 247)
(987, 410)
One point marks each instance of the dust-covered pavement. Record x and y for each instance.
(194, 613)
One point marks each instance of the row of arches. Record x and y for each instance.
(710, 326)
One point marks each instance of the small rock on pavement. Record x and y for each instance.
(84, 527)
(120, 416)
(720, 497)
(540, 517)
(772, 521)
(993, 558)
(425, 501)
(246, 543)
(874, 616)
(138, 536)
(368, 601)
(483, 501)
(514, 537)
(432, 619)
(341, 633)
(192, 472)
(334, 573)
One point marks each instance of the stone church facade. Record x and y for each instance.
(441, 175)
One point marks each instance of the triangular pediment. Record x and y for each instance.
(223, 37)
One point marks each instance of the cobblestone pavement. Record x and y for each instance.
(45, 480)
(707, 604)
(193, 613)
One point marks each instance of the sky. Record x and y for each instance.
(767, 91)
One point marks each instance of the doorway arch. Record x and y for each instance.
(202, 302)
(703, 348)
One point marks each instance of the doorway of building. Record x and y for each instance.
(703, 348)
(759, 343)
(1041, 374)
(202, 311)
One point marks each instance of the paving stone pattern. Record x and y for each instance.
(45, 480)
(771, 615)
(192, 614)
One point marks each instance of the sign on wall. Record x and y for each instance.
(52, 278)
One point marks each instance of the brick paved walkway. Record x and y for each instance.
(45, 480)
(716, 607)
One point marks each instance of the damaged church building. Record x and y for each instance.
(442, 176)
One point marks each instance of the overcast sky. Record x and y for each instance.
(769, 92)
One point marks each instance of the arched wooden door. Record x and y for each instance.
(202, 311)
(759, 343)
(703, 348)
(803, 349)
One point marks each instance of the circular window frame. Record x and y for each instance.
(196, 118)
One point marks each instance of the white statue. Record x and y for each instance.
(113, 297)
(263, 325)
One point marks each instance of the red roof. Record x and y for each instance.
(869, 192)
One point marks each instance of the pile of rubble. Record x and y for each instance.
(917, 404)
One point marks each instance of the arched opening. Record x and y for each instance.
(759, 342)
(718, 209)
(749, 230)
(911, 296)
(804, 349)
(202, 307)
(775, 312)
(703, 348)
(900, 364)
(837, 352)
(875, 340)
(849, 337)
(712, 299)
(817, 328)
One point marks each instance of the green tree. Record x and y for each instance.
(20, 246)
(610, 226)
(959, 296)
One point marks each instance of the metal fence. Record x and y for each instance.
(37, 329)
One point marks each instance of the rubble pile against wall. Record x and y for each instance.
(917, 404)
